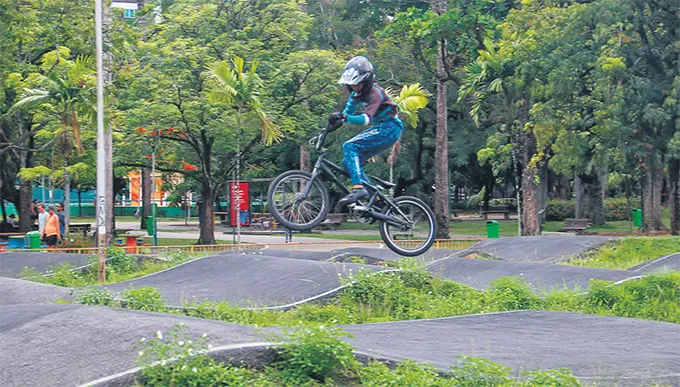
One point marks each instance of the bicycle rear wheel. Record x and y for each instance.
(288, 206)
(414, 240)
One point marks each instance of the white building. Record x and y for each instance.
(130, 6)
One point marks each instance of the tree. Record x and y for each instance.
(240, 90)
(65, 93)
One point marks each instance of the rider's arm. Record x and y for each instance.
(351, 105)
(373, 102)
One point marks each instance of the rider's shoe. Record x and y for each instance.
(356, 195)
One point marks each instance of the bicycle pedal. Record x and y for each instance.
(360, 208)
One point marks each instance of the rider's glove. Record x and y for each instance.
(336, 117)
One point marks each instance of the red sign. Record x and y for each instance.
(239, 196)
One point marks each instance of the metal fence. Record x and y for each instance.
(449, 244)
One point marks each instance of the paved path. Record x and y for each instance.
(246, 280)
(15, 291)
(597, 348)
(478, 273)
(539, 248)
(669, 262)
(64, 345)
(12, 264)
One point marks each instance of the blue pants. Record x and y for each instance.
(367, 144)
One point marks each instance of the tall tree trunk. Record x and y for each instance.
(527, 148)
(146, 196)
(590, 196)
(207, 236)
(651, 194)
(304, 158)
(674, 194)
(542, 189)
(563, 191)
(441, 156)
(25, 187)
(67, 200)
(441, 152)
(25, 197)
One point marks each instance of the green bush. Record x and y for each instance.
(94, 296)
(615, 209)
(119, 262)
(559, 209)
(510, 293)
(145, 298)
(316, 353)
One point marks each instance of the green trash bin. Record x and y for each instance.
(637, 217)
(149, 225)
(33, 239)
(492, 230)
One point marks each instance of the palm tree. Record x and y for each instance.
(68, 92)
(411, 98)
(240, 89)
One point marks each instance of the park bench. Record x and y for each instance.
(332, 221)
(496, 210)
(576, 225)
(80, 227)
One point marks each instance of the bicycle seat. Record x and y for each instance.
(383, 183)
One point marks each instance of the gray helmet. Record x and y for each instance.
(358, 70)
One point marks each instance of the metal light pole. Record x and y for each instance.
(101, 157)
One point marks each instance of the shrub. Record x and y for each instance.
(405, 374)
(145, 298)
(510, 293)
(65, 275)
(176, 359)
(317, 353)
(475, 372)
(94, 296)
(559, 209)
(615, 209)
(119, 261)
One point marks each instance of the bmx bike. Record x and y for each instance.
(299, 201)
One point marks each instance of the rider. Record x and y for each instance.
(378, 110)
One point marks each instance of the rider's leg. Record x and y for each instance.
(362, 147)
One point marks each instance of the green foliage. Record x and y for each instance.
(120, 262)
(144, 298)
(316, 353)
(615, 209)
(510, 293)
(628, 252)
(480, 372)
(94, 296)
(316, 357)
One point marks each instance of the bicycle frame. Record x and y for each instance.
(326, 168)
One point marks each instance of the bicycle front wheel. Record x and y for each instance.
(290, 207)
(419, 236)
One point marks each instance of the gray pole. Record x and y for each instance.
(153, 193)
(101, 157)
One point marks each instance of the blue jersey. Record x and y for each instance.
(376, 104)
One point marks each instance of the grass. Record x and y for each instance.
(316, 356)
(625, 253)
(181, 241)
(411, 294)
(120, 267)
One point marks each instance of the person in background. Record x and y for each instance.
(62, 220)
(42, 217)
(51, 232)
(11, 221)
(33, 209)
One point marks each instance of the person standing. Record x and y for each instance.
(51, 231)
(42, 217)
(62, 220)
(33, 208)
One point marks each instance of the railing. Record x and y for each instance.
(450, 244)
